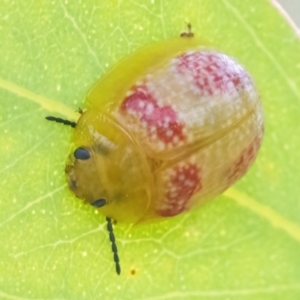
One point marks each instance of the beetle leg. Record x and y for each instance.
(189, 32)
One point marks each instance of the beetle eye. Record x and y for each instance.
(99, 203)
(82, 154)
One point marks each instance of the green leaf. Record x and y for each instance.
(243, 245)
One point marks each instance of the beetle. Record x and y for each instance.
(171, 126)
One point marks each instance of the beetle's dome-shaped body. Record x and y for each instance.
(172, 125)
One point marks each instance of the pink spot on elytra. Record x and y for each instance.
(242, 164)
(163, 120)
(212, 72)
(183, 183)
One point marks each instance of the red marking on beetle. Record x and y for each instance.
(163, 119)
(242, 164)
(183, 183)
(212, 72)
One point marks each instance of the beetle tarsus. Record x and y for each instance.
(189, 32)
(80, 110)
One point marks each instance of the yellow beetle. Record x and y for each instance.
(170, 126)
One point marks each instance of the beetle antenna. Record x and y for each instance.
(62, 121)
(114, 248)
